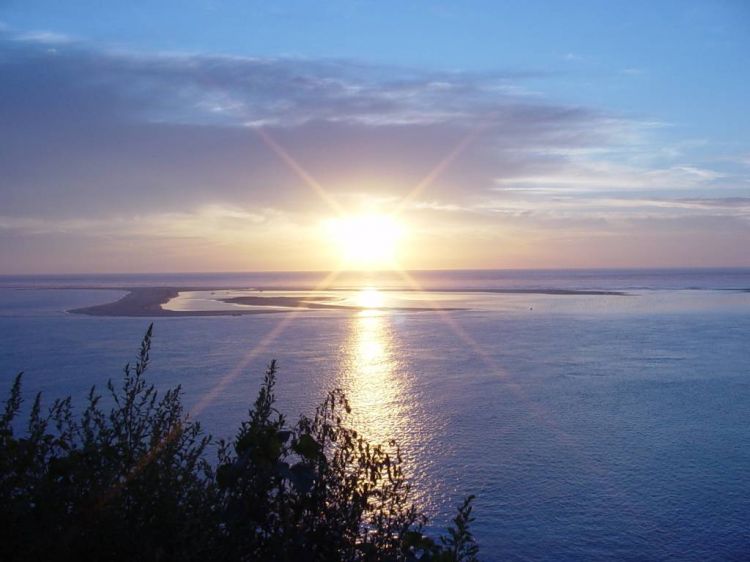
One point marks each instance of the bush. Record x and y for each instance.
(134, 483)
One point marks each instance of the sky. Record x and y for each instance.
(223, 136)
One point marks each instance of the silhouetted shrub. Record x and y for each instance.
(134, 483)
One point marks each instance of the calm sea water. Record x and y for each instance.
(589, 427)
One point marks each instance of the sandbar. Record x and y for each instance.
(147, 301)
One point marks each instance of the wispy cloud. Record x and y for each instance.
(44, 37)
(591, 176)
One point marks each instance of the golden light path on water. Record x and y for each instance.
(376, 381)
(371, 381)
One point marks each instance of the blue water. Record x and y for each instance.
(589, 427)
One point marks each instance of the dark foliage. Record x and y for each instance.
(133, 483)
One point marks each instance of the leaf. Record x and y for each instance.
(284, 436)
(302, 477)
(307, 447)
(225, 475)
(282, 469)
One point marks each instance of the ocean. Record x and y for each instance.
(589, 426)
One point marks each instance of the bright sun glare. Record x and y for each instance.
(369, 297)
(366, 241)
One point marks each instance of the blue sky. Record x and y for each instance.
(601, 133)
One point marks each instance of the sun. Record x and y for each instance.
(366, 241)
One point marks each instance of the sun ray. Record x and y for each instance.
(297, 168)
(261, 347)
(443, 164)
(537, 411)
(489, 363)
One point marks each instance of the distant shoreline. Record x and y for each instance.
(148, 301)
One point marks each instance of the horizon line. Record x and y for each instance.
(385, 271)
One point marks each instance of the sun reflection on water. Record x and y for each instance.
(373, 388)
(380, 390)
(369, 298)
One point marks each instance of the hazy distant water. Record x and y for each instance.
(589, 427)
(605, 279)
